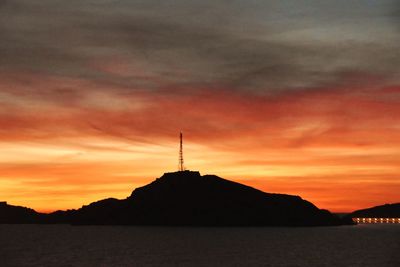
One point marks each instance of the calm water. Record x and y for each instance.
(61, 245)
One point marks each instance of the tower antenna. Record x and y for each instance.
(181, 167)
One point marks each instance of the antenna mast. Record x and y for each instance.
(181, 167)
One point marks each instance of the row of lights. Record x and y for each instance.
(377, 220)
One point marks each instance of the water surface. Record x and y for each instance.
(63, 245)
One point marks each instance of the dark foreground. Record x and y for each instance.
(63, 245)
(187, 198)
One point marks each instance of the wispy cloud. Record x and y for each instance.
(263, 46)
(280, 88)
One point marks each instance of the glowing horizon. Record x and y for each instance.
(285, 96)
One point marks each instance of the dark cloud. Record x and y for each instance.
(234, 44)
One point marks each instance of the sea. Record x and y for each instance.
(375, 245)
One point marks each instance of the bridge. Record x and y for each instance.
(377, 220)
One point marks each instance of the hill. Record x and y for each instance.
(10, 214)
(189, 199)
(383, 211)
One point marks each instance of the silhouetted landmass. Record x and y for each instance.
(189, 199)
(383, 211)
(58, 217)
(15, 214)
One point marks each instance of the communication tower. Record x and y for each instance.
(181, 166)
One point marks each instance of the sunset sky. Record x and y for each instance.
(299, 97)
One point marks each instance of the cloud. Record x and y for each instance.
(326, 116)
(240, 46)
(275, 86)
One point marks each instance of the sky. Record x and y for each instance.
(294, 96)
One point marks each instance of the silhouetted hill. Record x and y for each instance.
(187, 198)
(58, 217)
(383, 211)
(15, 214)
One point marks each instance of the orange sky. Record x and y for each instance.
(297, 97)
(336, 147)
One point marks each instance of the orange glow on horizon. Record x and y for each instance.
(338, 148)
